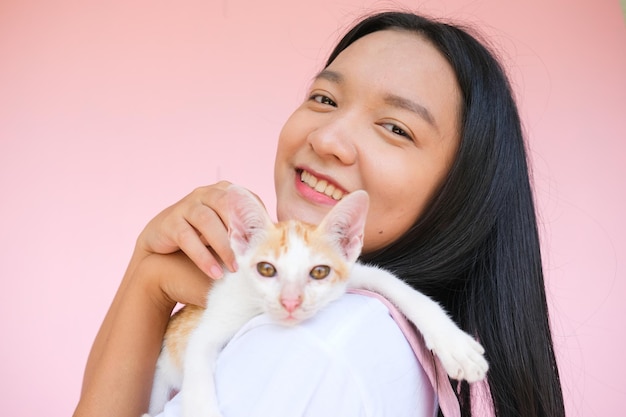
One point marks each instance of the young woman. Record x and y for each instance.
(419, 114)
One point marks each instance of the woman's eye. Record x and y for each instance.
(395, 129)
(322, 99)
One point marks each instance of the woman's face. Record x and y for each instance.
(382, 117)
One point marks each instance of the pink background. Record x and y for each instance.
(110, 111)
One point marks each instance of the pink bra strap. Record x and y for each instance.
(448, 402)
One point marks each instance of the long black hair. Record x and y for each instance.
(475, 249)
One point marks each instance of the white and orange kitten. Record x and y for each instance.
(290, 271)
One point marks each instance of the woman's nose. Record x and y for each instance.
(335, 139)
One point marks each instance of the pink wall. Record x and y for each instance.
(109, 111)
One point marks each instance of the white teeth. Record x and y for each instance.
(308, 179)
(321, 186)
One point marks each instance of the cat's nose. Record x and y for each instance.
(290, 303)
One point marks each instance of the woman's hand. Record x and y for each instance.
(197, 225)
(172, 258)
(119, 372)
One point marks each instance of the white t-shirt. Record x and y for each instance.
(350, 360)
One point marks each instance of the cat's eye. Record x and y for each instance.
(266, 269)
(320, 272)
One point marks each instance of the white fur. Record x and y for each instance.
(460, 355)
(239, 296)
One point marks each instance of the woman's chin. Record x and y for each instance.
(302, 211)
(292, 206)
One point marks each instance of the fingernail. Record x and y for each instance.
(216, 272)
(234, 266)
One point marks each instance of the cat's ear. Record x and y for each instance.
(248, 220)
(345, 223)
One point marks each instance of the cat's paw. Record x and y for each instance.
(460, 354)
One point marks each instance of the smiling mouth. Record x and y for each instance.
(321, 186)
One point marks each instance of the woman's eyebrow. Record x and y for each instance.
(329, 75)
(412, 106)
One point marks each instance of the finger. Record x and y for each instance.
(210, 219)
(181, 280)
(211, 231)
(190, 243)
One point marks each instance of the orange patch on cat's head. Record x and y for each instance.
(277, 243)
(320, 242)
(277, 239)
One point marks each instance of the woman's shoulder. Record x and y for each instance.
(352, 325)
(351, 356)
